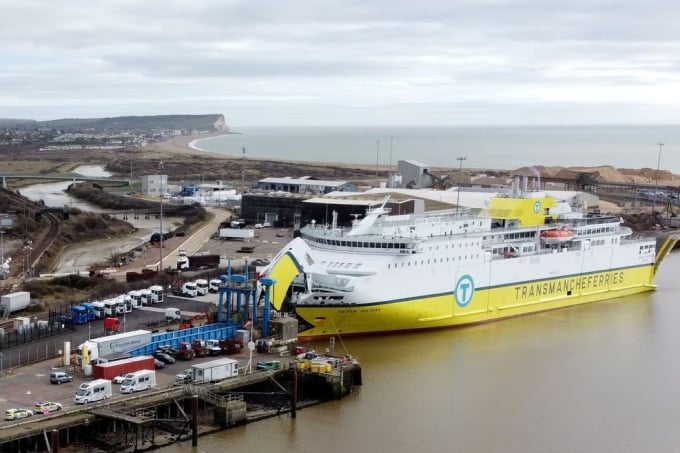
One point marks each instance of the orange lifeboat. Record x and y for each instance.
(557, 235)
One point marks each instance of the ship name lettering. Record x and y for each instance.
(567, 284)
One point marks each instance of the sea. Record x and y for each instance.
(453, 147)
(598, 378)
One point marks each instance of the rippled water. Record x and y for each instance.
(596, 378)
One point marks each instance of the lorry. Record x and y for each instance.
(111, 346)
(115, 368)
(97, 390)
(196, 262)
(185, 351)
(138, 381)
(111, 325)
(187, 289)
(9, 303)
(200, 347)
(236, 233)
(172, 314)
(79, 314)
(214, 371)
(214, 285)
(201, 286)
(156, 294)
(213, 347)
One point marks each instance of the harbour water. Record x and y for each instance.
(596, 378)
(483, 147)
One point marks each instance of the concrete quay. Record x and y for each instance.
(169, 412)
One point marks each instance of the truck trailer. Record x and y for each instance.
(110, 370)
(9, 303)
(111, 346)
(214, 371)
(196, 262)
(236, 233)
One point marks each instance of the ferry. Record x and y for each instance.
(524, 252)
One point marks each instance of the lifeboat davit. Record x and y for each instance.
(557, 235)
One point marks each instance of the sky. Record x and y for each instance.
(317, 62)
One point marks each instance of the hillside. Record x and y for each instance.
(211, 123)
(605, 173)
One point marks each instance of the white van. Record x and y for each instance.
(97, 390)
(138, 381)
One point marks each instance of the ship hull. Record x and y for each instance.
(485, 304)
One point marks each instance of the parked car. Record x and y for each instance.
(120, 378)
(159, 364)
(17, 413)
(163, 357)
(57, 377)
(42, 406)
(183, 376)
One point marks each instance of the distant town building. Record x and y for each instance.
(305, 185)
(153, 184)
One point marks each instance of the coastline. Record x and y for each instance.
(185, 145)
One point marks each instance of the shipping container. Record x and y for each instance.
(15, 301)
(117, 367)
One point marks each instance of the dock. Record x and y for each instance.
(135, 422)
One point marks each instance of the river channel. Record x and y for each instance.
(80, 257)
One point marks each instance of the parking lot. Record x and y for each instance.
(28, 385)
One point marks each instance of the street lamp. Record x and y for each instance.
(377, 158)
(656, 181)
(460, 170)
(160, 264)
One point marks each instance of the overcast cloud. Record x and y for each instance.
(343, 62)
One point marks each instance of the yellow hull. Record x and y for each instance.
(487, 304)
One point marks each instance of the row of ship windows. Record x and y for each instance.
(520, 235)
(586, 231)
(432, 261)
(355, 244)
(646, 248)
(460, 245)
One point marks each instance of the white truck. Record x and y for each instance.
(214, 285)
(138, 381)
(156, 294)
(97, 390)
(236, 233)
(201, 286)
(173, 314)
(188, 289)
(9, 303)
(111, 346)
(214, 371)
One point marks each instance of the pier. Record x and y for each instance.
(174, 412)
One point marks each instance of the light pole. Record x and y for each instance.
(460, 170)
(656, 181)
(160, 264)
(377, 159)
